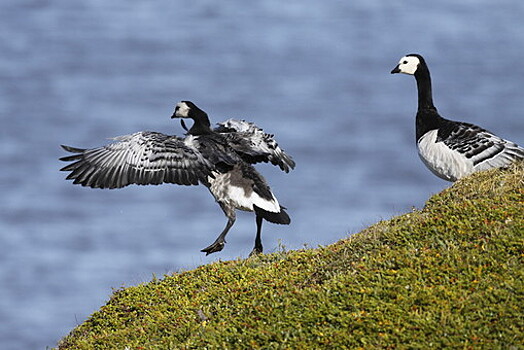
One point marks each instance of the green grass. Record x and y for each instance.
(448, 276)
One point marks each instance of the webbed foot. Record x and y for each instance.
(216, 246)
(256, 251)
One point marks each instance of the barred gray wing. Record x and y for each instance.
(485, 149)
(142, 158)
(253, 144)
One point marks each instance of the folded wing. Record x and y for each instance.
(483, 148)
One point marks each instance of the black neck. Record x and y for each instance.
(201, 125)
(425, 97)
(428, 117)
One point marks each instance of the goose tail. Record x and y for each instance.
(281, 217)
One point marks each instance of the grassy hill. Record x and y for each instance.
(448, 276)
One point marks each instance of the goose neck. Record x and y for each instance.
(201, 125)
(425, 97)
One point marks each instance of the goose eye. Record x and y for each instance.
(404, 62)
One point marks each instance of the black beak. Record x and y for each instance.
(395, 70)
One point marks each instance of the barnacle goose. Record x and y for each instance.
(218, 158)
(452, 149)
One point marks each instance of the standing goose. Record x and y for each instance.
(451, 149)
(218, 158)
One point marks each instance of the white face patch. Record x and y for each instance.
(408, 64)
(182, 110)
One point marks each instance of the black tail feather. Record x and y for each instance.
(281, 217)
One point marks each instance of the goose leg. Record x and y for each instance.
(219, 243)
(258, 241)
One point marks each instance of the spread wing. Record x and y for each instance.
(142, 158)
(253, 144)
(482, 147)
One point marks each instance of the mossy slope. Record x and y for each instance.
(448, 276)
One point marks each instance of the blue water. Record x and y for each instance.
(315, 73)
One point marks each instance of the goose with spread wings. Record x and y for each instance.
(452, 149)
(220, 158)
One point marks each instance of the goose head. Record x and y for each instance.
(408, 64)
(187, 109)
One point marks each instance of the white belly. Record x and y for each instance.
(444, 162)
(238, 192)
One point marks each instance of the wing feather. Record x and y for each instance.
(253, 144)
(142, 158)
(483, 148)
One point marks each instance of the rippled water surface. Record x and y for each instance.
(315, 73)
